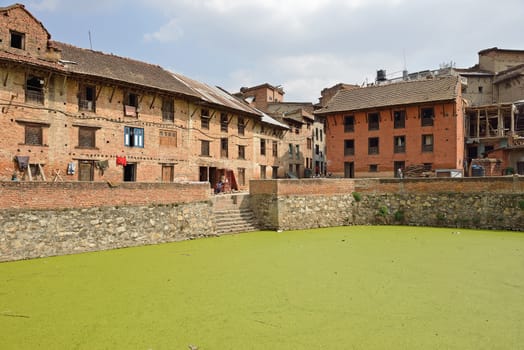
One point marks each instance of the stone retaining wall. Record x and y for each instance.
(492, 203)
(39, 233)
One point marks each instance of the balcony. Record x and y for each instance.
(34, 96)
(86, 105)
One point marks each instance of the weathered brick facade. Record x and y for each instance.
(74, 112)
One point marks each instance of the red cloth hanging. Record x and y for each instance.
(121, 161)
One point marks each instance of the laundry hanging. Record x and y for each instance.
(121, 160)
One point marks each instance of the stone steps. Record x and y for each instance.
(232, 214)
(235, 220)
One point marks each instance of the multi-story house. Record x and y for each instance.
(494, 92)
(374, 131)
(302, 149)
(77, 114)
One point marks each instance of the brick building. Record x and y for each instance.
(374, 131)
(303, 151)
(494, 92)
(77, 114)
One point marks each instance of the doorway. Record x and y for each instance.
(349, 169)
(130, 172)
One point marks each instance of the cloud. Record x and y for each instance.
(171, 31)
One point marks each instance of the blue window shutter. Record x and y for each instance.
(139, 137)
(127, 136)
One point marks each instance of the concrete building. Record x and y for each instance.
(80, 115)
(374, 131)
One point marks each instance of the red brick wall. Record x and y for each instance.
(49, 195)
(21, 21)
(447, 130)
(423, 186)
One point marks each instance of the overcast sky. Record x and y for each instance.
(302, 45)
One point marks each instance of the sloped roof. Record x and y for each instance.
(215, 95)
(98, 64)
(397, 94)
(510, 73)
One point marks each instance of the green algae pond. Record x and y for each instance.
(360, 287)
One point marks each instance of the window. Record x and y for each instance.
(263, 172)
(224, 147)
(349, 147)
(309, 143)
(241, 126)
(274, 173)
(349, 123)
(298, 151)
(242, 176)
(204, 148)
(33, 134)
(373, 168)
(427, 116)
(223, 122)
(317, 149)
(130, 104)
(373, 121)
(17, 40)
(86, 137)
(290, 151)
(399, 144)
(427, 143)
(275, 149)
(241, 152)
(316, 134)
(86, 98)
(34, 90)
(168, 110)
(262, 147)
(481, 89)
(399, 119)
(373, 145)
(133, 137)
(204, 119)
(428, 166)
(168, 173)
(321, 133)
(168, 138)
(86, 170)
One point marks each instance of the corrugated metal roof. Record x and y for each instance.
(397, 94)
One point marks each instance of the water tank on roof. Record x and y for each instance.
(381, 75)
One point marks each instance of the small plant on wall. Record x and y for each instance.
(383, 210)
(399, 216)
(521, 204)
(357, 196)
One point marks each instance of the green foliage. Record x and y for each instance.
(357, 196)
(441, 216)
(383, 211)
(521, 204)
(399, 216)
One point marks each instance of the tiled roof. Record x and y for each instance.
(397, 94)
(33, 61)
(215, 95)
(98, 64)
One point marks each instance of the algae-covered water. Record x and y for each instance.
(336, 288)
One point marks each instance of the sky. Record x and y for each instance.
(302, 45)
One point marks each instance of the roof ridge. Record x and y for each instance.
(110, 55)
